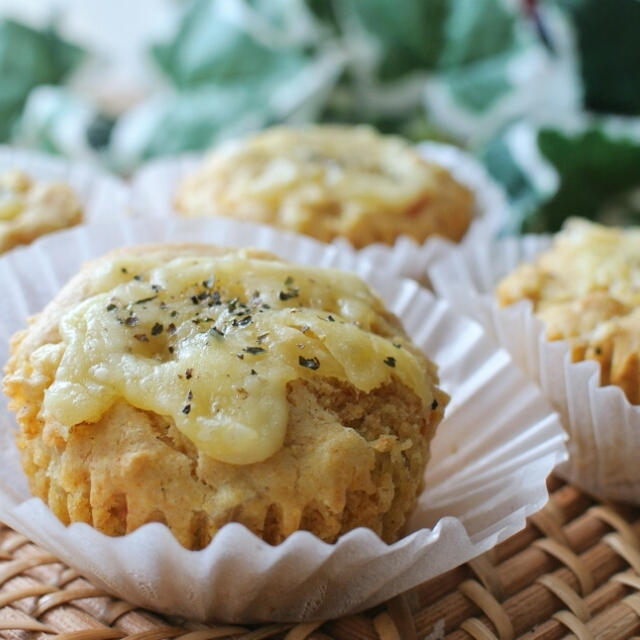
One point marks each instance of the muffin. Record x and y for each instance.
(195, 386)
(30, 209)
(327, 182)
(586, 289)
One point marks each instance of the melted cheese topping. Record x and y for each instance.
(13, 187)
(586, 258)
(328, 181)
(30, 209)
(213, 341)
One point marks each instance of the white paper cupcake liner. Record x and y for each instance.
(153, 188)
(103, 196)
(490, 458)
(603, 426)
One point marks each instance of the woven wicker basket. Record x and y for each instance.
(574, 571)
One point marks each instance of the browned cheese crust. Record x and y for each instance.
(31, 209)
(585, 289)
(328, 182)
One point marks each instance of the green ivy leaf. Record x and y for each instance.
(607, 34)
(208, 48)
(415, 35)
(594, 168)
(29, 57)
(594, 173)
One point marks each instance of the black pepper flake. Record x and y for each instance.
(254, 372)
(137, 277)
(231, 305)
(123, 270)
(203, 295)
(208, 283)
(214, 331)
(171, 349)
(330, 318)
(194, 299)
(434, 405)
(173, 314)
(188, 374)
(397, 346)
(189, 395)
(186, 409)
(111, 307)
(156, 287)
(240, 356)
(262, 337)
(390, 361)
(253, 350)
(141, 337)
(245, 321)
(264, 305)
(309, 363)
(215, 298)
(598, 350)
(287, 295)
(131, 321)
(171, 329)
(289, 281)
(143, 300)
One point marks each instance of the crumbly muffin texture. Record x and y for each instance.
(340, 439)
(329, 181)
(29, 209)
(586, 290)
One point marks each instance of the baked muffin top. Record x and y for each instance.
(212, 341)
(195, 385)
(586, 288)
(29, 209)
(329, 181)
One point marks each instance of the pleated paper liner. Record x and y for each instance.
(153, 189)
(603, 426)
(490, 459)
(103, 196)
(572, 572)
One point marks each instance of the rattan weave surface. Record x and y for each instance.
(574, 571)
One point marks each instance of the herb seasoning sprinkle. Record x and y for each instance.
(253, 350)
(157, 329)
(309, 363)
(287, 295)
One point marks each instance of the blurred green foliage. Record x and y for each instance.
(28, 58)
(532, 91)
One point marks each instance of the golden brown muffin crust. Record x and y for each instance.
(329, 181)
(585, 289)
(31, 209)
(350, 458)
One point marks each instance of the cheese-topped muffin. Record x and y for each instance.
(29, 209)
(329, 181)
(196, 386)
(586, 288)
